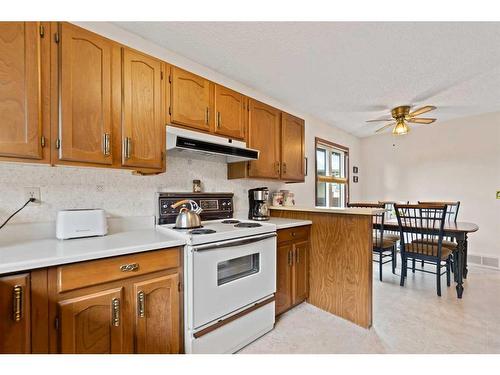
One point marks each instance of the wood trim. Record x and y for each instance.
(232, 318)
(39, 312)
(317, 141)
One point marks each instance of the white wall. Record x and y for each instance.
(122, 194)
(454, 160)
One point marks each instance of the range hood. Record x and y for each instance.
(183, 139)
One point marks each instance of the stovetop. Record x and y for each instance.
(219, 230)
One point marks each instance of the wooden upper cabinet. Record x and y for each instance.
(157, 321)
(292, 148)
(191, 103)
(230, 112)
(20, 90)
(85, 88)
(264, 135)
(15, 322)
(92, 323)
(143, 121)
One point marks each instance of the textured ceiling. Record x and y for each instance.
(346, 73)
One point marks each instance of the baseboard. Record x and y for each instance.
(484, 261)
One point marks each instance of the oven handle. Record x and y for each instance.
(221, 245)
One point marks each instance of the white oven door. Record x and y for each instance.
(231, 274)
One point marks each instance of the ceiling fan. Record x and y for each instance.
(401, 116)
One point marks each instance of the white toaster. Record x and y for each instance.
(78, 223)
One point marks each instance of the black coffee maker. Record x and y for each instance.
(258, 206)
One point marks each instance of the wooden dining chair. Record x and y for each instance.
(451, 216)
(384, 247)
(421, 231)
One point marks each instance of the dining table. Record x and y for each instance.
(458, 230)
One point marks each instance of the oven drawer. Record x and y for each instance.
(294, 234)
(229, 275)
(84, 274)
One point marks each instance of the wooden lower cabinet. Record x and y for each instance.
(129, 304)
(292, 274)
(92, 323)
(15, 307)
(156, 327)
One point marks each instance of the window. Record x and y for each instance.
(332, 177)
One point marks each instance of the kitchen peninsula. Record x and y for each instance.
(340, 266)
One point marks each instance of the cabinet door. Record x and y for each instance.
(230, 111)
(143, 124)
(15, 322)
(283, 278)
(292, 148)
(20, 90)
(191, 104)
(157, 315)
(85, 86)
(92, 323)
(264, 135)
(300, 272)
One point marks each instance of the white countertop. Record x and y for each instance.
(343, 211)
(282, 223)
(24, 252)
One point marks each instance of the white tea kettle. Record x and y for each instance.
(188, 218)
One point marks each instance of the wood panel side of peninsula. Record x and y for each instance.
(340, 274)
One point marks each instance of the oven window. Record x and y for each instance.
(236, 268)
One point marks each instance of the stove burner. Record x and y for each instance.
(202, 231)
(248, 225)
(230, 221)
(201, 226)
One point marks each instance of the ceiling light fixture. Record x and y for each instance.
(401, 128)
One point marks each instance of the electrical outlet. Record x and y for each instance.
(32, 192)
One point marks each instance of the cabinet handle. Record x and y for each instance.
(207, 115)
(219, 121)
(278, 167)
(284, 168)
(17, 307)
(129, 267)
(290, 260)
(128, 147)
(141, 304)
(115, 306)
(106, 144)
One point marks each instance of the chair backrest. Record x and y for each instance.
(451, 212)
(378, 221)
(421, 228)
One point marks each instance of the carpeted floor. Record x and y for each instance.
(412, 319)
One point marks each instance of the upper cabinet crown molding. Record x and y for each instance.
(24, 81)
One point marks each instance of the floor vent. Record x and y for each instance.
(483, 261)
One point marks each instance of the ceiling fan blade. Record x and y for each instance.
(385, 127)
(381, 120)
(419, 111)
(422, 120)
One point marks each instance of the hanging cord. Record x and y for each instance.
(11, 216)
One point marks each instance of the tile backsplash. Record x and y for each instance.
(119, 192)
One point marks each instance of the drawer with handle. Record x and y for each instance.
(84, 274)
(293, 234)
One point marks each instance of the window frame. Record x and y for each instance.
(345, 149)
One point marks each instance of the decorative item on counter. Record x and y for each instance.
(277, 198)
(288, 198)
(196, 186)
